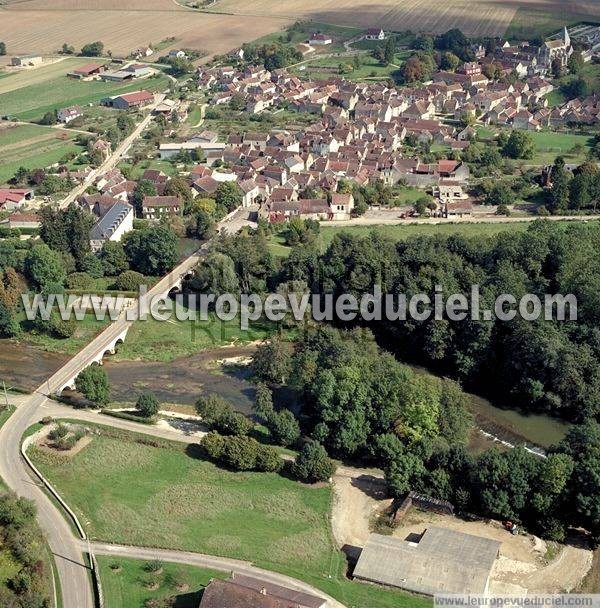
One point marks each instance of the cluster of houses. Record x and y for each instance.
(455, 95)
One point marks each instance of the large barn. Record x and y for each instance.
(440, 561)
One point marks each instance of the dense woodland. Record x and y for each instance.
(361, 404)
(546, 366)
(22, 551)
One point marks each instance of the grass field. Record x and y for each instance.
(370, 68)
(33, 147)
(402, 231)
(125, 583)
(550, 144)
(156, 341)
(130, 492)
(27, 96)
(85, 331)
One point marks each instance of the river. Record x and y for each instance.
(183, 380)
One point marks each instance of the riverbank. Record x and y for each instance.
(181, 380)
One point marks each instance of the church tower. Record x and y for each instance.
(567, 38)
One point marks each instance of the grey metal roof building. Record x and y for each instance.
(443, 561)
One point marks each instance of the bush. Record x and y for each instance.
(130, 281)
(313, 464)
(80, 280)
(147, 405)
(218, 414)
(241, 453)
(127, 416)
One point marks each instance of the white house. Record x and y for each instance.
(176, 53)
(341, 206)
(66, 115)
(375, 34)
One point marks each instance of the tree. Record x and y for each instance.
(43, 266)
(93, 49)
(499, 194)
(130, 281)
(450, 61)
(272, 361)
(93, 384)
(389, 51)
(284, 428)
(67, 231)
(412, 71)
(179, 187)
(49, 118)
(218, 414)
(228, 196)
(405, 473)
(216, 274)
(503, 210)
(312, 464)
(147, 405)
(51, 184)
(519, 145)
(143, 189)
(204, 226)
(152, 251)
(2, 48)
(92, 265)
(558, 200)
(263, 405)
(67, 49)
(557, 68)
(575, 63)
(113, 258)
(9, 328)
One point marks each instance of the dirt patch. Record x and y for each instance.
(44, 444)
(523, 565)
(357, 500)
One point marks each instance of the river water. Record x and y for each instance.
(183, 380)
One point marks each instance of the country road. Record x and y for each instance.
(207, 561)
(116, 155)
(67, 549)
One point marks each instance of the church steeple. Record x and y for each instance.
(567, 37)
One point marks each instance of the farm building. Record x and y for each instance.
(27, 61)
(320, 39)
(128, 101)
(241, 591)
(87, 71)
(26, 221)
(13, 198)
(440, 561)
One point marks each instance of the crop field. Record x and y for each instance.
(32, 147)
(28, 95)
(41, 27)
(474, 17)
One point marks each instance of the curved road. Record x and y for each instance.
(68, 550)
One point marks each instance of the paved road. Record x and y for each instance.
(115, 157)
(73, 573)
(207, 561)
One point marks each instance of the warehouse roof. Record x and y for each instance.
(443, 561)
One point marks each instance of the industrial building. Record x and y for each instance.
(439, 561)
